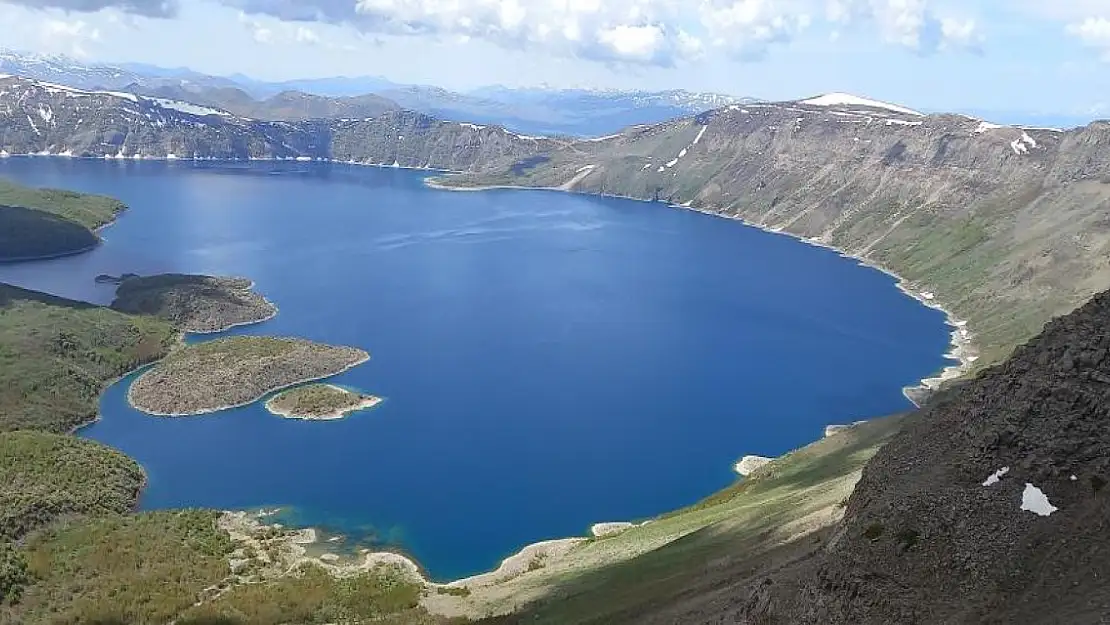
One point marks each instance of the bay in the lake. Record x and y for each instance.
(548, 360)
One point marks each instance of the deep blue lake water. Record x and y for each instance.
(548, 360)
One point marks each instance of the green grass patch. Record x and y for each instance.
(134, 570)
(90, 211)
(56, 356)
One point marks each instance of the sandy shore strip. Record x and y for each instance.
(962, 348)
(367, 402)
(249, 402)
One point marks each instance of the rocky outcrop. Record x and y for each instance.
(193, 303)
(991, 506)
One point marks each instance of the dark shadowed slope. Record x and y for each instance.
(925, 541)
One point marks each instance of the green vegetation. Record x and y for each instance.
(727, 539)
(193, 303)
(318, 401)
(235, 371)
(134, 570)
(43, 223)
(313, 596)
(30, 234)
(47, 476)
(90, 211)
(56, 355)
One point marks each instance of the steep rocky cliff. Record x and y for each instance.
(42, 118)
(992, 506)
(1005, 226)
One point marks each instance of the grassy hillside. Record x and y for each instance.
(729, 538)
(126, 570)
(56, 355)
(43, 223)
(47, 476)
(90, 211)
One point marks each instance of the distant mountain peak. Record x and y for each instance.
(849, 100)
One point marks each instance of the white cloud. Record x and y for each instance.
(1094, 32)
(646, 32)
(306, 35)
(912, 24)
(71, 37)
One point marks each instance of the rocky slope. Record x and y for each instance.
(990, 507)
(193, 303)
(44, 118)
(1005, 226)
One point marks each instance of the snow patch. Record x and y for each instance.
(583, 168)
(646, 166)
(902, 122)
(996, 476)
(700, 134)
(1018, 147)
(985, 126)
(471, 126)
(1025, 138)
(846, 99)
(605, 138)
(191, 109)
(1034, 500)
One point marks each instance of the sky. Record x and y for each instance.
(1048, 56)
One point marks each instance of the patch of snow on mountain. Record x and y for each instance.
(1034, 500)
(185, 107)
(605, 138)
(1018, 147)
(902, 122)
(845, 99)
(996, 476)
(700, 133)
(1027, 139)
(985, 126)
(471, 126)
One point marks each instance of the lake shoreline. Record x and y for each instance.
(961, 347)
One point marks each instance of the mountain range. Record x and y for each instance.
(575, 112)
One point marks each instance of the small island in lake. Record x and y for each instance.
(194, 303)
(235, 371)
(319, 402)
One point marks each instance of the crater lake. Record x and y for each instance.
(548, 360)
